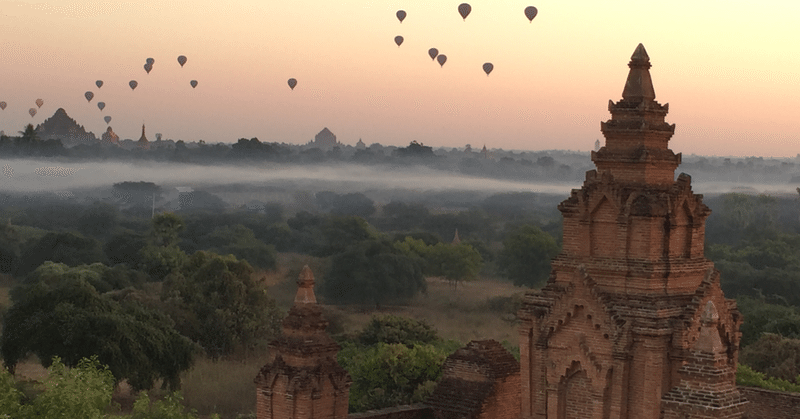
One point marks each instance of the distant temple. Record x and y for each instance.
(109, 137)
(324, 140)
(61, 127)
(143, 143)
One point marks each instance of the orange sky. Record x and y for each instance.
(729, 69)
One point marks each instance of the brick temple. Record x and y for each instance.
(632, 323)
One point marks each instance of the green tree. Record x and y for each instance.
(386, 375)
(124, 247)
(392, 329)
(454, 262)
(10, 252)
(762, 317)
(98, 220)
(241, 241)
(373, 273)
(10, 395)
(68, 248)
(161, 255)
(775, 356)
(216, 302)
(748, 377)
(171, 407)
(526, 254)
(83, 391)
(68, 318)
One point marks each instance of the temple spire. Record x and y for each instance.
(639, 85)
(305, 288)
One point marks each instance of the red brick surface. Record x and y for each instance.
(633, 322)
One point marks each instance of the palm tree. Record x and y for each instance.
(29, 136)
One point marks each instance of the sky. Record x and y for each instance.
(730, 70)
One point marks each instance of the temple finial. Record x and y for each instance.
(305, 288)
(639, 85)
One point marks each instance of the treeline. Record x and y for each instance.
(91, 277)
(147, 294)
(754, 240)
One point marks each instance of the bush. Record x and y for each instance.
(748, 377)
(391, 329)
(775, 356)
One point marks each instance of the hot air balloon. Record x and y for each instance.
(107, 119)
(193, 83)
(398, 40)
(101, 105)
(292, 83)
(39, 102)
(181, 60)
(99, 83)
(531, 12)
(3, 105)
(32, 111)
(89, 96)
(148, 67)
(488, 67)
(433, 52)
(464, 9)
(133, 84)
(401, 14)
(150, 61)
(441, 58)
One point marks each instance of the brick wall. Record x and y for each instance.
(577, 397)
(767, 404)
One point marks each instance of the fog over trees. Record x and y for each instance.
(170, 245)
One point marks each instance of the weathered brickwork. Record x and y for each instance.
(633, 322)
(302, 380)
(766, 404)
(479, 381)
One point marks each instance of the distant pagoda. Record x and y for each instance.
(143, 143)
(61, 127)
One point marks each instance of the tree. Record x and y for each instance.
(373, 272)
(454, 262)
(124, 247)
(386, 375)
(775, 356)
(392, 329)
(165, 229)
(401, 216)
(98, 220)
(10, 252)
(240, 241)
(526, 254)
(71, 320)
(763, 317)
(80, 392)
(28, 139)
(84, 391)
(162, 255)
(215, 301)
(68, 248)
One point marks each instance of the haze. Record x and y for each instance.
(727, 68)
